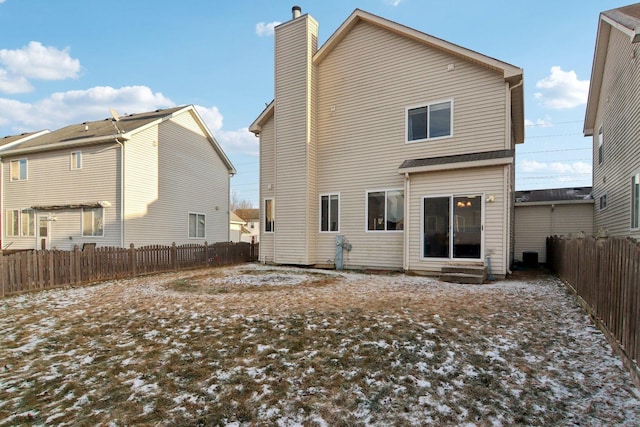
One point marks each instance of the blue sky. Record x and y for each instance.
(69, 61)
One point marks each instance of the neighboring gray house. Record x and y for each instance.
(390, 143)
(613, 120)
(553, 212)
(150, 178)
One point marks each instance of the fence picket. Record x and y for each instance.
(43, 269)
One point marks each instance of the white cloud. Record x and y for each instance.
(233, 141)
(36, 61)
(394, 3)
(13, 84)
(562, 89)
(555, 168)
(546, 122)
(63, 108)
(265, 30)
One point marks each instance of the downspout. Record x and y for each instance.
(121, 192)
(407, 195)
(2, 202)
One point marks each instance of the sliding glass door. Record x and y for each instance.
(452, 227)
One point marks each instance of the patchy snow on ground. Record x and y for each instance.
(264, 345)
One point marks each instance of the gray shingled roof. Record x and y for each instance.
(12, 138)
(629, 16)
(97, 129)
(554, 195)
(444, 160)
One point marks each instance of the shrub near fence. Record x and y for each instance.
(38, 270)
(605, 274)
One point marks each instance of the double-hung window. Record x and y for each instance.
(196, 226)
(429, 121)
(18, 170)
(269, 216)
(27, 223)
(329, 212)
(12, 222)
(600, 146)
(635, 201)
(76, 160)
(385, 210)
(92, 222)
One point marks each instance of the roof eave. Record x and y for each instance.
(266, 114)
(64, 144)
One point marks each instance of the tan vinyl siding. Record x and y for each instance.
(292, 130)
(365, 85)
(534, 223)
(183, 174)
(619, 113)
(267, 183)
(487, 181)
(52, 182)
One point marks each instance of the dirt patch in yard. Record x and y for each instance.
(256, 345)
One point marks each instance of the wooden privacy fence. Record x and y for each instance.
(38, 270)
(605, 274)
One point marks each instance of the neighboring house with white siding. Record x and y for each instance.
(550, 212)
(150, 178)
(397, 142)
(251, 217)
(613, 121)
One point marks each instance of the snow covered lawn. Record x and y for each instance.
(260, 345)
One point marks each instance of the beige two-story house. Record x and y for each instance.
(387, 148)
(612, 119)
(150, 178)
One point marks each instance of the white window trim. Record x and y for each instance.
(635, 176)
(6, 218)
(320, 212)
(82, 224)
(74, 165)
(26, 170)
(600, 137)
(205, 225)
(426, 104)
(600, 208)
(273, 207)
(451, 198)
(366, 209)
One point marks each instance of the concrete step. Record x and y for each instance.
(469, 269)
(463, 278)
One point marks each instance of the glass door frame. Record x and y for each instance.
(451, 226)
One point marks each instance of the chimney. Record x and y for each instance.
(296, 11)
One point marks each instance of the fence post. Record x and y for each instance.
(133, 266)
(206, 254)
(174, 256)
(76, 265)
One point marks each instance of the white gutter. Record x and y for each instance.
(65, 144)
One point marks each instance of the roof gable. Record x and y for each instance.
(116, 129)
(510, 72)
(625, 19)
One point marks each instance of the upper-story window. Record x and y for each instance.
(429, 121)
(385, 210)
(18, 170)
(600, 145)
(76, 160)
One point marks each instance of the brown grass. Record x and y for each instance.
(200, 348)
